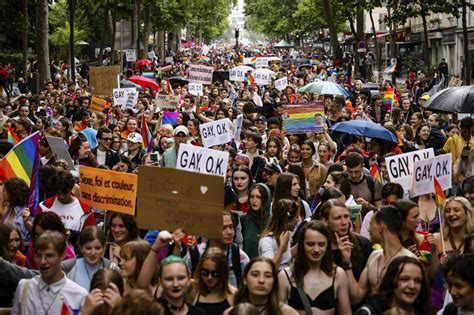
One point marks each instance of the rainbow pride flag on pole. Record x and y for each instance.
(390, 69)
(250, 80)
(440, 196)
(170, 89)
(146, 135)
(388, 98)
(253, 62)
(13, 137)
(23, 161)
(375, 173)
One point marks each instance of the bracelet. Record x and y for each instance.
(346, 265)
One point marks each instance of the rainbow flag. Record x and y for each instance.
(253, 62)
(23, 161)
(375, 173)
(187, 61)
(169, 88)
(390, 69)
(440, 196)
(311, 75)
(204, 59)
(250, 80)
(298, 119)
(13, 137)
(388, 98)
(146, 135)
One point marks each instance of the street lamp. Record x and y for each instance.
(237, 38)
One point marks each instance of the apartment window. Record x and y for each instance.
(382, 26)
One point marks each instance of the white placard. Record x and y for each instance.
(121, 95)
(237, 74)
(216, 132)
(238, 126)
(130, 55)
(169, 59)
(195, 89)
(281, 84)
(262, 62)
(202, 160)
(247, 60)
(59, 148)
(262, 78)
(200, 74)
(205, 50)
(132, 98)
(400, 167)
(426, 170)
(151, 55)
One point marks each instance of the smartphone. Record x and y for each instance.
(154, 157)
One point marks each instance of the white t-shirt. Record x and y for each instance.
(70, 214)
(101, 157)
(267, 247)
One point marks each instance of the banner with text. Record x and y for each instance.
(281, 84)
(202, 160)
(167, 101)
(262, 62)
(400, 167)
(426, 170)
(216, 132)
(98, 104)
(262, 77)
(237, 74)
(130, 55)
(121, 96)
(200, 74)
(108, 190)
(195, 89)
(169, 199)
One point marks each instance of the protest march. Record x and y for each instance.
(235, 180)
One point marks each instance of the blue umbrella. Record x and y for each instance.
(365, 128)
(324, 88)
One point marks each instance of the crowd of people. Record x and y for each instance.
(290, 243)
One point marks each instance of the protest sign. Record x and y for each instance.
(216, 132)
(200, 74)
(426, 170)
(120, 96)
(201, 160)
(169, 199)
(301, 118)
(205, 50)
(195, 89)
(400, 167)
(130, 55)
(103, 80)
(237, 74)
(262, 77)
(262, 62)
(167, 101)
(281, 84)
(247, 61)
(97, 104)
(455, 82)
(238, 126)
(151, 55)
(59, 148)
(132, 98)
(108, 190)
(169, 59)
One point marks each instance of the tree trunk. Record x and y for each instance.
(360, 37)
(147, 27)
(136, 26)
(393, 44)
(114, 31)
(104, 33)
(24, 60)
(161, 45)
(426, 49)
(42, 48)
(376, 45)
(467, 57)
(332, 29)
(72, 64)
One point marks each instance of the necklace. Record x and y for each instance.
(453, 245)
(176, 308)
(379, 274)
(46, 309)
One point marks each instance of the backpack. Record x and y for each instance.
(234, 251)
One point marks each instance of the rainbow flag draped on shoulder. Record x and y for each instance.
(146, 135)
(23, 161)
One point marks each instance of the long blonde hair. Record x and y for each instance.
(467, 208)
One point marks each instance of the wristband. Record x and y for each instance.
(346, 265)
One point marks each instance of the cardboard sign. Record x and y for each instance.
(455, 82)
(108, 190)
(130, 55)
(262, 62)
(400, 167)
(121, 95)
(216, 132)
(169, 199)
(167, 101)
(281, 84)
(103, 80)
(237, 74)
(262, 78)
(59, 148)
(238, 126)
(98, 104)
(200, 74)
(201, 160)
(426, 170)
(195, 89)
(151, 55)
(132, 98)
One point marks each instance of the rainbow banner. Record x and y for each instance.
(390, 69)
(12, 137)
(388, 98)
(298, 119)
(146, 135)
(170, 89)
(22, 161)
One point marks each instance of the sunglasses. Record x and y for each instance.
(206, 273)
(107, 139)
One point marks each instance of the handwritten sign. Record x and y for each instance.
(59, 148)
(130, 55)
(169, 199)
(200, 74)
(237, 74)
(167, 101)
(98, 105)
(238, 126)
(216, 132)
(455, 82)
(261, 62)
(400, 167)
(262, 77)
(151, 55)
(195, 89)
(201, 160)
(281, 84)
(103, 80)
(132, 98)
(108, 190)
(426, 170)
(120, 96)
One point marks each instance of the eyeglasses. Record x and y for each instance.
(206, 273)
(107, 139)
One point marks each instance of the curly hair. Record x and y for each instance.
(17, 192)
(48, 220)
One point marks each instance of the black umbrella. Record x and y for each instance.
(178, 81)
(453, 100)
(130, 84)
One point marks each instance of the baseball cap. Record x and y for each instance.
(261, 118)
(182, 129)
(135, 137)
